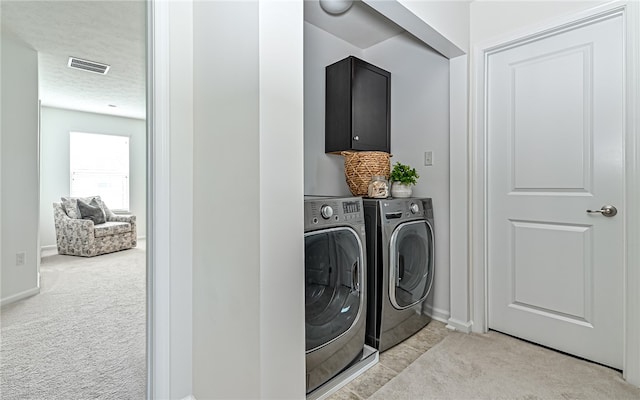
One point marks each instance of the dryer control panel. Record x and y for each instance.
(394, 209)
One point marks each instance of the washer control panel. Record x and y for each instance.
(332, 211)
(326, 211)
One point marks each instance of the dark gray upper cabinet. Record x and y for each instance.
(357, 107)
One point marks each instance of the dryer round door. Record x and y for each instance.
(411, 263)
(334, 275)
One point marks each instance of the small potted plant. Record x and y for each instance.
(402, 178)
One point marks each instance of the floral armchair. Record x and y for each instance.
(78, 236)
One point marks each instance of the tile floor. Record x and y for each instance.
(392, 362)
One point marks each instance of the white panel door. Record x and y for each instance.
(555, 149)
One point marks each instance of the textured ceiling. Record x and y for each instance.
(109, 32)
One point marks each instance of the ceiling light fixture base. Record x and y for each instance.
(336, 7)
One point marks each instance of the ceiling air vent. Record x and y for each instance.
(90, 66)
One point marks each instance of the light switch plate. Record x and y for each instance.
(428, 158)
(21, 258)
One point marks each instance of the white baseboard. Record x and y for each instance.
(437, 314)
(445, 317)
(19, 296)
(49, 250)
(190, 397)
(460, 326)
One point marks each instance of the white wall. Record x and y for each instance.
(19, 213)
(494, 19)
(282, 285)
(323, 173)
(450, 18)
(170, 222)
(419, 123)
(226, 258)
(460, 272)
(181, 214)
(56, 123)
(248, 285)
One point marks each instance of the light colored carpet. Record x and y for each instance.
(497, 366)
(83, 336)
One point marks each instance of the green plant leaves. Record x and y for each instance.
(404, 174)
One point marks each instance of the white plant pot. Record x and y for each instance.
(401, 190)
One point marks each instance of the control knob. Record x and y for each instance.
(326, 212)
(414, 208)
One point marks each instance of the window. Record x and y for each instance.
(99, 165)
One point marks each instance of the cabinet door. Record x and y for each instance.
(357, 107)
(370, 108)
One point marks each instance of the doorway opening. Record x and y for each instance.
(75, 326)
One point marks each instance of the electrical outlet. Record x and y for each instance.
(21, 258)
(428, 158)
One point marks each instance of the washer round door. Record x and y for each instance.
(411, 263)
(333, 274)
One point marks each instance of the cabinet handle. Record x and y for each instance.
(356, 138)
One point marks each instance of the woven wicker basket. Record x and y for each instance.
(360, 166)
